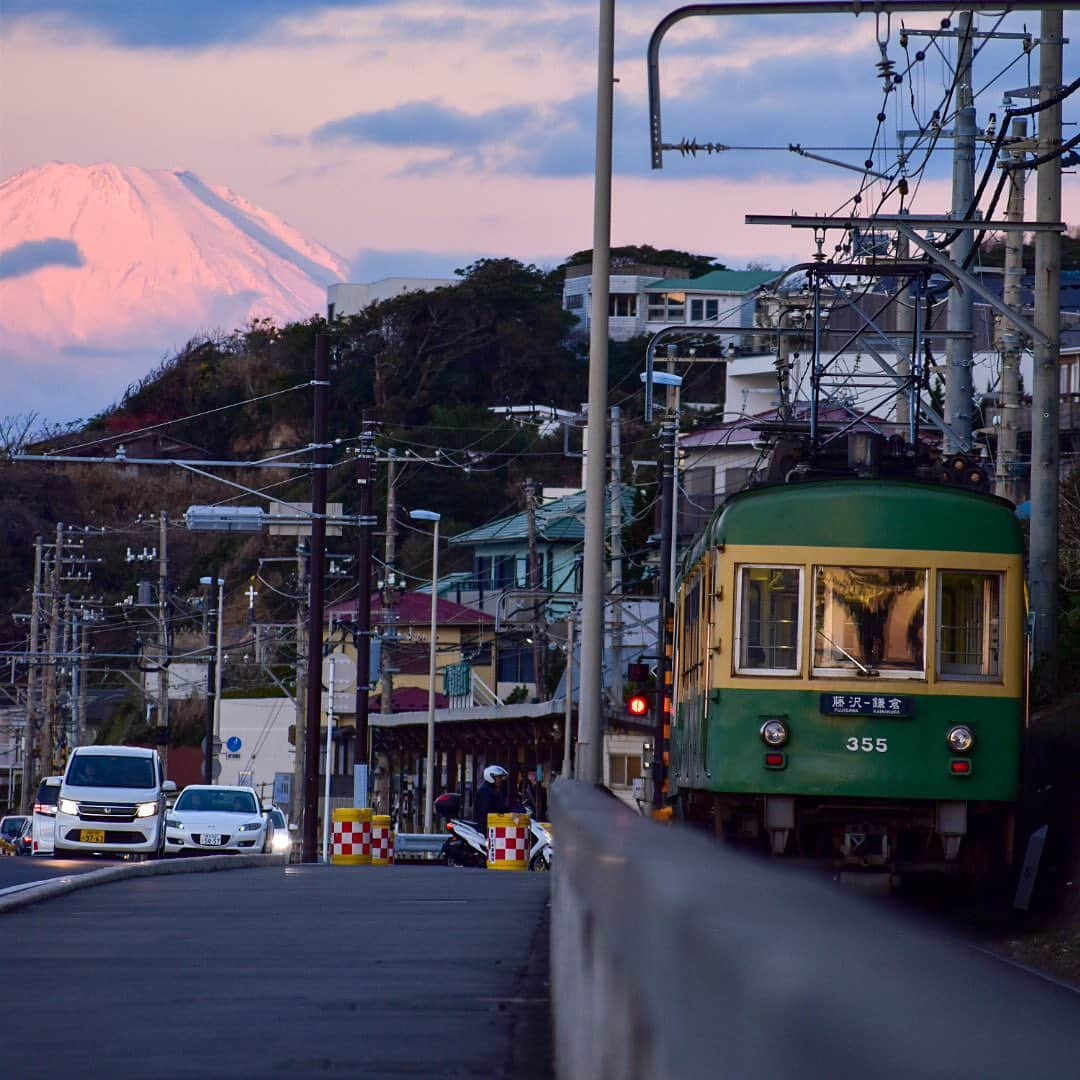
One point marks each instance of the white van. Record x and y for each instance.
(41, 829)
(112, 799)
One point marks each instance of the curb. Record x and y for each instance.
(33, 893)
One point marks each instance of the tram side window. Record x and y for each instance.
(869, 620)
(768, 630)
(969, 631)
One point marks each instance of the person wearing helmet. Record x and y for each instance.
(490, 795)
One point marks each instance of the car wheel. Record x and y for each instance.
(539, 863)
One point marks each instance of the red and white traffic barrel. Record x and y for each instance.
(350, 841)
(508, 841)
(382, 840)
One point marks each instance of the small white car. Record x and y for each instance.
(44, 825)
(208, 819)
(281, 843)
(112, 801)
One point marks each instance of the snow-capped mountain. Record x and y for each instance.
(104, 270)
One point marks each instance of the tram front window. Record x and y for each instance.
(769, 620)
(869, 621)
(969, 635)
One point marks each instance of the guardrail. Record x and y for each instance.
(673, 956)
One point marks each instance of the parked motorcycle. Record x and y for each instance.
(467, 843)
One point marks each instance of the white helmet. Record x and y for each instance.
(495, 772)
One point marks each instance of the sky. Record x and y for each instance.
(412, 136)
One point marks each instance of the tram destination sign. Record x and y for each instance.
(867, 705)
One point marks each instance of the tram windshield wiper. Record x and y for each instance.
(869, 673)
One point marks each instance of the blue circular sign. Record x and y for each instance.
(233, 744)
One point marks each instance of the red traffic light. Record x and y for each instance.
(638, 705)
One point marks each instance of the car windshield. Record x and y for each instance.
(106, 770)
(12, 826)
(220, 801)
(278, 818)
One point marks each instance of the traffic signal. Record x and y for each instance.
(637, 705)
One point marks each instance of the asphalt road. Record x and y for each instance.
(296, 971)
(22, 869)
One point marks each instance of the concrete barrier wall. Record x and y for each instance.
(675, 957)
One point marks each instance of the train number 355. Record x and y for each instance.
(868, 745)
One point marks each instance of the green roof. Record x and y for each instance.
(562, 520)
(732, 281)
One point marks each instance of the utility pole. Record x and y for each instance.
(538, 628)
(389, 595)
(32, 745)
(163, 630)
(362, 624)
(616, 527)
(299, 772)
(591, 694)
(211, 683)
(958, 388)
(668, 444)
(321, 387)
(905, 325)
(49, 696)
(1012, 341)
(81, 730)
(1046, 394)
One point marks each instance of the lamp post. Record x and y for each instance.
(429, 763)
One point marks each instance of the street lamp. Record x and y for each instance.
(429, 765)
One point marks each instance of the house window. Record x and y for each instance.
(702, 310)
(515, 664)
(768, 640)
(575, 302)
(494, 571)
(667, 307)
(969, 630)
(622, 305)
(869, 619)
(623, 769)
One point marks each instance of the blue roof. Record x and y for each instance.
(559, 521)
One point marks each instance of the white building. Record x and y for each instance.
(350, 299)
(646, 299)
(255, 745)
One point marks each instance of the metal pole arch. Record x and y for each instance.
(794, 7)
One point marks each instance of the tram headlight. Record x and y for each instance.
(960, 739)
(774, 733)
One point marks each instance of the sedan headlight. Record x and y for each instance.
(774, 733)
(251, 826)
(173, 823)
(146, 809)
(282, 841)
(69, 806)
(960, 739)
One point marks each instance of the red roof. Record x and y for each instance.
(414, 609)
(409, 699)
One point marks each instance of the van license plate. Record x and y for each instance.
(210, 839)
(91, 836)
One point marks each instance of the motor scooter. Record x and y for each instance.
(466, 845)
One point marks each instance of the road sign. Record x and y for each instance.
(282, 788)
(217, 746)
(233, 744)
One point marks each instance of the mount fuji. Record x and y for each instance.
(105, 270)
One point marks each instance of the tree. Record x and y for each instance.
(644, 254)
